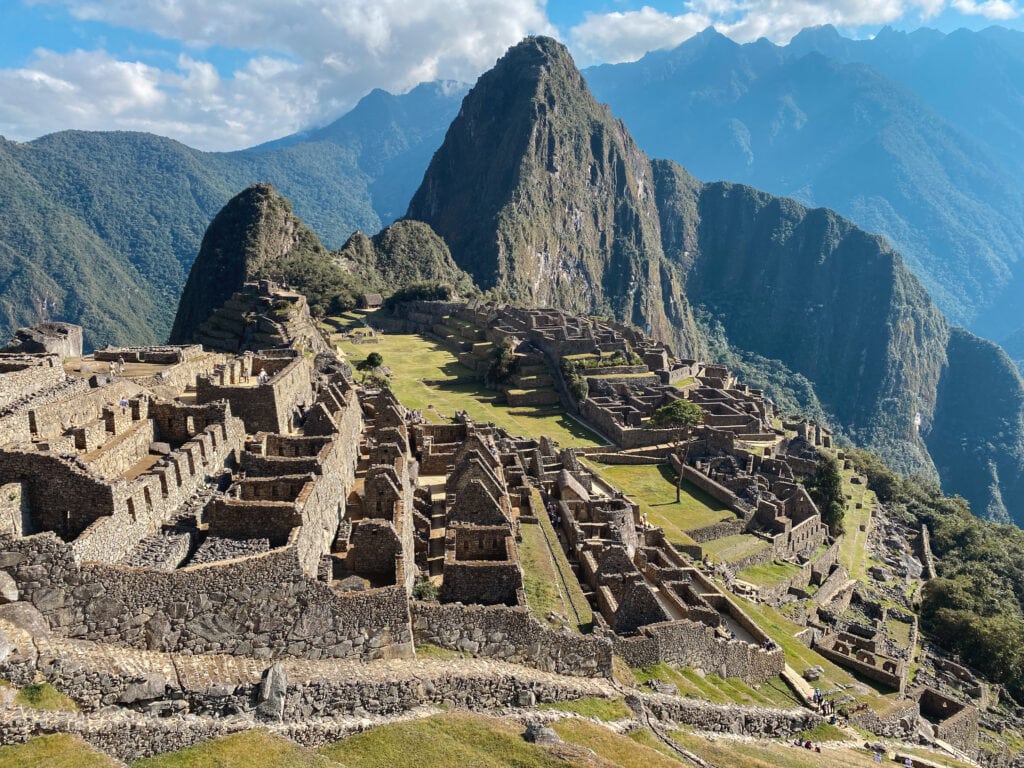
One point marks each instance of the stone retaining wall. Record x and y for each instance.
(23, 376)
(693, 644)
(262, 605)
(511, 634)
(719, 718)
(898, 723)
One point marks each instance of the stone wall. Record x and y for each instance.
(62, 497)
(894, 680)
(900, 722)
(717, 531)
(730, 718)
(960, 730)
(122, 453)
(264, 407)
(694, 644)
(606, 423)
(263, 606)
(511, 634)
(141, 506)
(49, 420)
(22, 376)
(482, 582)
(716, 490)
(180, 375)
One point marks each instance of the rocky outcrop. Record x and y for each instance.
(254, 236)
(541, 194)
(404, 253)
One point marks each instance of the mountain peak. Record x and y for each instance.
(544, 196)
(249, 238)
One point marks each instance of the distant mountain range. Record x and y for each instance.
(102, 228)
(545, 198)
(918, 137)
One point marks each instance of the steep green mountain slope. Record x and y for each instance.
(112, 221)
(400, 255)
(975, 437)
(830, 301)
(254, 236)
(257, 235)
(542, 195)
(912, 150)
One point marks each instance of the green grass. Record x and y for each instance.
(612, 747)
(241, 750)
(431, 651)
(544, 565)
(732, 548)
(414, 361)
(59, 750)
(653, 487)
(824, 732)
(800, 657)
(540, 581)
(853, 549)
(454, 739)
(593, 706)
(770, 754)
(768, 574)
(773, 693)
(44, 696)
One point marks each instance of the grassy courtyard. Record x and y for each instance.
(427, 376)
(653, 487)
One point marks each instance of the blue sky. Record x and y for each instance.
(224, 74)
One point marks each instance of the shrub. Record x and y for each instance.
(424, 589)
(678, 413)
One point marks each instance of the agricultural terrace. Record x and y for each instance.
(653, 487)
(425, 375)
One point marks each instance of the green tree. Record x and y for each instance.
(678, 413)
(503, 364)
(373, 361)
(826, 489)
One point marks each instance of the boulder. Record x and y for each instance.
(273, 688)
(25, 616)
(8, 588)
(536, 733)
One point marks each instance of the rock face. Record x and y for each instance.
(541, 194)
(403, 253)
(808, 288)
(250, 238)
(273, 688)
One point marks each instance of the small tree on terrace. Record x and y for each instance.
(678, 413)
(373, 361)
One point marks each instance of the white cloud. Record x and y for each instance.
(94, 91)
(311, 61)
(627, 36)
(990, 9)
(615, 37)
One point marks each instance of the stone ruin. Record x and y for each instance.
(61, 339)
(253, 503)
(263, 315)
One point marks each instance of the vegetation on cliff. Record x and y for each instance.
(257, 235)
(101, 228)
(403, 254)
(543, 197)
(975, 607)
